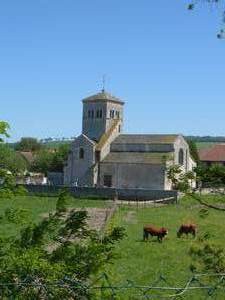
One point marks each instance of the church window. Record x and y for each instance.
(89, 114)
(112, 112)
(100, 113)
(181, 157)
(117, 114)
(97, 156)
(97, 114)
(81, 153)
(119, 129)
(92, 114)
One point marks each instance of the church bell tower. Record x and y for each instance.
(100, 112)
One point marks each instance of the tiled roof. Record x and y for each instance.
(137, 157)
(104, 138)
(216, 153)
(146, 139)
(103, 96)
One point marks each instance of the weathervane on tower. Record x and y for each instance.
(103, 83)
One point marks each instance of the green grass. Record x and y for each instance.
(35, 208)
(143, 262)
(138, 261)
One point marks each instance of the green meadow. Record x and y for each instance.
(138, 263)
(168, 263)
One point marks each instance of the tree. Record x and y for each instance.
(4, 127)
(193, 5)
(28, 144)
(11, 160)
(51, 161)
(193, 150)
(181, 182)
(55, 258)
(211, 176)
(207, 258)
(42, 162)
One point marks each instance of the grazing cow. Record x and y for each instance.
(153, 231)
(187, 228)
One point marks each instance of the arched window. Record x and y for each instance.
(81, 153)
(181, 157)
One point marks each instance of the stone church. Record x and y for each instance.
(103, 156)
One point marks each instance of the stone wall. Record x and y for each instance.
(78, 170)
(106, 193)
(133, 175)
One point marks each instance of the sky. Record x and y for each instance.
(164, 61)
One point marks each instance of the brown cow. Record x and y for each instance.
(153, 231)
(186, 229)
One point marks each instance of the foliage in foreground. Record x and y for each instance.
(4, 127)
(55, 258)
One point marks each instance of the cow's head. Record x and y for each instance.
(164, 230)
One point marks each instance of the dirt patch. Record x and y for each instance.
(130, 217)
(97, 217)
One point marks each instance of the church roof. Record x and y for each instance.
(146, 139)
(137, 157)
(103, 96)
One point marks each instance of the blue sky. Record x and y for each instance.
(163, 60)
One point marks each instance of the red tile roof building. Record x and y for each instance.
(213, 155)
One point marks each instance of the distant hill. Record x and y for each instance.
(201, 141)
(55, 144)
(206, 139)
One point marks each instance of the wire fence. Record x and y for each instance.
(199, 286)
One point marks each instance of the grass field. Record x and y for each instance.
(138, 261)
(144, 262)
(34, 208)
(205, 145)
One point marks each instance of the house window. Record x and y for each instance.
(117, 114)
(100, 113)
(92, 114)
(81, 153)
(108, 180)
(89, 114)
(181, 157)
(119, 129)
(97, 114)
